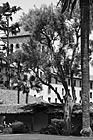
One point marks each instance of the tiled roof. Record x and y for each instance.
(21, 33)
(22, 109)
(10, 97)
(13, 109)
(8, 102)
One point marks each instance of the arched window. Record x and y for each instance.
(11, 48)
(17, 46)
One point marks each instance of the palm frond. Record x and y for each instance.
(73, 6)
(67, 5)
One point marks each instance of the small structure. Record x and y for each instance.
(31, 114)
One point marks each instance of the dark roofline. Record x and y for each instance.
(78, 78)
(17, 36)
(23, 108)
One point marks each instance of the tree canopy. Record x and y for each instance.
(53, 36)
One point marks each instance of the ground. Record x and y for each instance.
(39, 137)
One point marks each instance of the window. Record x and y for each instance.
(62, 91)
(80, 83)
(43, 48)
(49, 79)
(69, 90)
(40, 74)
(74, 82)
(49, 99)
(11, 48)
(17, 46)
(55, 80)
(80, 101)
(90, 94)
(55, 100)
(69, 82)
(80, 94)
(74, 92)
(90, 85)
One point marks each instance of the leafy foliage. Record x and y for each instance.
(67, 5)
(48, 26)
(6, 12)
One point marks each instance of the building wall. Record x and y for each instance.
(34, 122)
(16, 40)
(25, 118)
(49, 95)
(1, 119)
(40, 121)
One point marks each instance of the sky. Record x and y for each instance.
(26, 5)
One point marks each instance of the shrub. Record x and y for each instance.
(49, 130)
(1, 128)
(17, 127)
(87, 132)
(26, 129)
(76, 130)
(7, 130)
(56, 128)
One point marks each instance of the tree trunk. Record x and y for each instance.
(18, 91)
(85, 14)
(18, 95)
(7, 65)
(72, 87)
(67, 115)
(68, 105)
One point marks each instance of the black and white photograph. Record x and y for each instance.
(46, 69)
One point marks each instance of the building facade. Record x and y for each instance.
(47, 94)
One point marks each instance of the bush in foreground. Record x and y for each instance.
(55, 128)
(7, 130)
(19, 127)
(86, 132)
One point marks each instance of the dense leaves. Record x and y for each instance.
(52, 38)
(6, 12)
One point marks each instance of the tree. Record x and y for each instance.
(46, 26)
(17, 80)
(85, 19)
(6, 13)
(85, 62)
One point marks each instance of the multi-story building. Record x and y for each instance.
(47, 94)
(15, 43)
